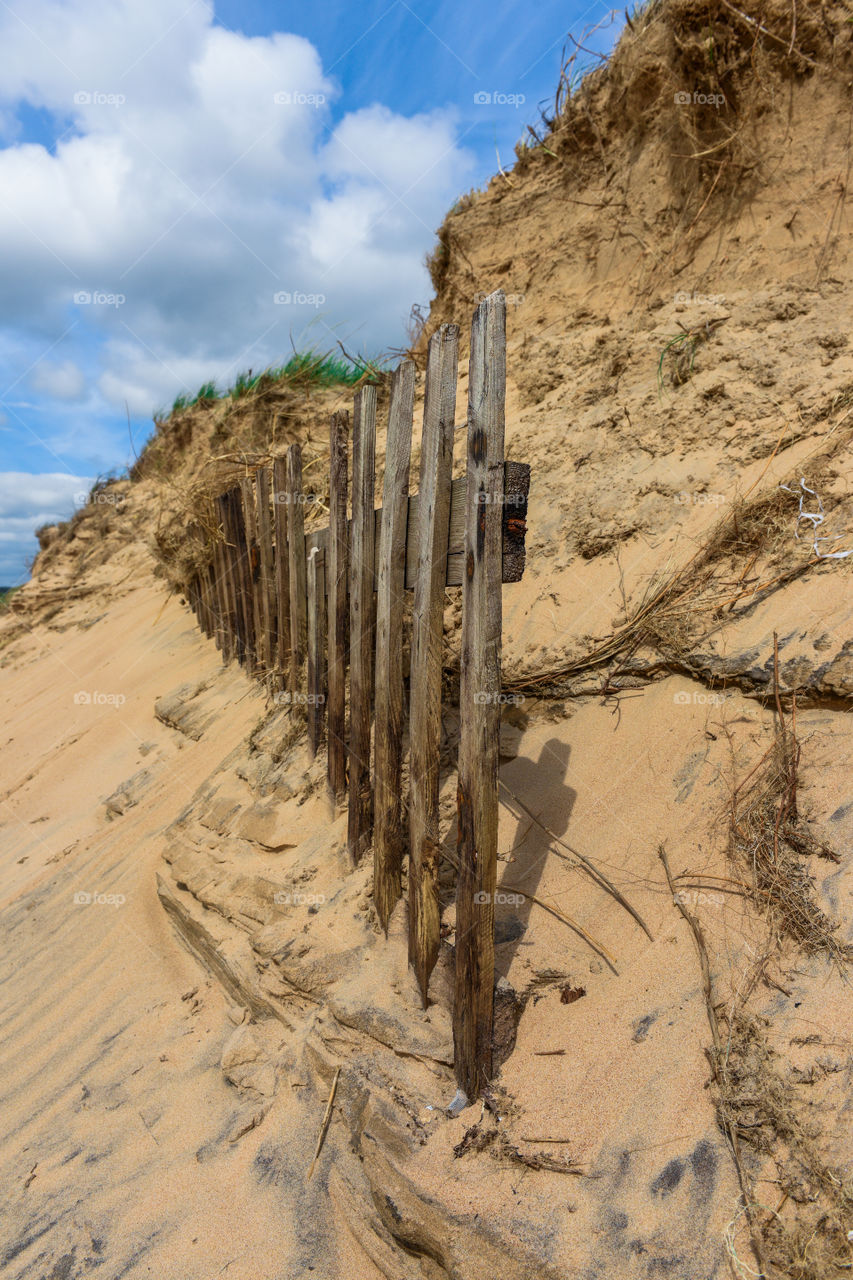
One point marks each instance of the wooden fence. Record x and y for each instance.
(298, 608)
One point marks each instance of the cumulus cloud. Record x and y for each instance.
(202, 173)
(26, 503)
(202, 185)
(64, 380)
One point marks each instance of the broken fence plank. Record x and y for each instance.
(513, 503)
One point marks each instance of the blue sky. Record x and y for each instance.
(187, 189)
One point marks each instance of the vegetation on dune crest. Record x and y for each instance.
(698, 80)
(305, 370)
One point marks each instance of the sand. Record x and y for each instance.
(170, 1045)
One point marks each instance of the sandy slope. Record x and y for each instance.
(600, 1152)
(115, 1148)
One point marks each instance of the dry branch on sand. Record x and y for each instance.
(747, 555)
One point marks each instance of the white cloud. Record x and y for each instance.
(199, 196)
(397, 154)
(26, 503)
(64, 380)
(37, 498)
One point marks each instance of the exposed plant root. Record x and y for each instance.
(769, 841)
(749, 554)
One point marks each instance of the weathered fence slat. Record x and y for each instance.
(223, 634)
(296, 553)
(213, 598)
(390, 588)
(210, 601)
(516, 486)
(220, 551)
(230, 503)
(266, 574)
(316, 578)
(361, 620)
(282, 564)
(203, 603)
(192, 598)
(427, 631)
(278, 599)
(195, 601)
(337, 588)
(473, 1008)
(242, 570)
(247, 491)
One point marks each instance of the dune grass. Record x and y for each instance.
(304, 370)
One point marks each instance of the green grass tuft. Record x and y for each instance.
(308, 369)
(304, 370)
(206, 394)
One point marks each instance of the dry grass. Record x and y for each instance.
(760, 1107)
(704, 51)
(682, 607)
(206, 449)
(748, 554)
(769, 842)
(804, 1236)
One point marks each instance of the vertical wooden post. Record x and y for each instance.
(427, 633)
(204, 611)
(337, 585)
(298, 585)
(479, 700)
(220, 552)
(232, 580)
(252, 568)
(210, 603)
(199, 603)
(361, 620)
(266, 577)
(390, 594)
(316, 646)
(218, 607)
(213, 598)
(240, 567)
(219, 573)
(191, 594)
(282, 565)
